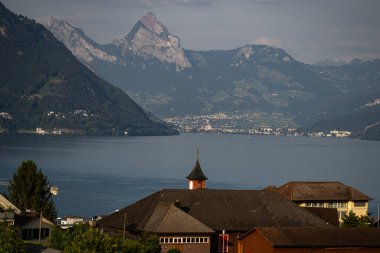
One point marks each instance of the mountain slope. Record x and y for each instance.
(43, 85)
(253, 78)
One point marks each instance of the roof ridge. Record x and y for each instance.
(166, 214)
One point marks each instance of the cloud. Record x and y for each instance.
(274, 42)
(146, 3)
(262, 1)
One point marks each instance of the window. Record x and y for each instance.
(315, 204)
(223, 243)
(360, 204)
(172, 240)
(337, 204)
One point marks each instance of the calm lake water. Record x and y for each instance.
(97, 175)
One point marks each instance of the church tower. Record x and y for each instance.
(196, 178)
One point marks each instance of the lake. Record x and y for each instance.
(97, 175)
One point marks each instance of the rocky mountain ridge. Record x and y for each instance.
(149, 38)
(171, 81)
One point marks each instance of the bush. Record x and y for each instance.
(10, 241)
(81, 238)
(174, 250)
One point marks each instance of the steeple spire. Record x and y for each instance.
(196, 178)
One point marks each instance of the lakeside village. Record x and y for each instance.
(247, 123)
(220, 123)
(294, 217)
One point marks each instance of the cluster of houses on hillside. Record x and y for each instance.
(295, 217)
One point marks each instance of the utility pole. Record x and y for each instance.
(40, 228)
(223, 240)
(378, 215)
(125, 222)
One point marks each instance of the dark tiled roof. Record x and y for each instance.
(169, 219)
(321, 237)
(232, 210)
(23, 218)
(197, 173)
(325, 191)
(328, 214)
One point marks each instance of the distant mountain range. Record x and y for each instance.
(42, 85)
(150, 65)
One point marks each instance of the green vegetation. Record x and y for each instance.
(352, 220)
(82, 238)
(10, 241)
(30, 189)
(174, 250)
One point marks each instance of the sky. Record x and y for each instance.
(309, 30)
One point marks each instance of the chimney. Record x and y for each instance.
(177, 203)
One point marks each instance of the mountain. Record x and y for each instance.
(171, 81)
(149, 38)
(42, 85)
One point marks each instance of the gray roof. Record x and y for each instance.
(328, 214)
(169, 219)
(231, 210)
(197, 173)
(321, 237)
(324, 191)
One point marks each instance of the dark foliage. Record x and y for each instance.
(30, 189)
(39, 75)
(81, 238)
(10, 241)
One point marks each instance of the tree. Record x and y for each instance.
(10, 241)
(30, 189)
(150, 243)
(350, 220)
(82, 238)
(366, 221)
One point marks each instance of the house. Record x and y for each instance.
(327, 195)
(69, 221)
(5, 204)
(28, 222)
(310, 239)
(31, 223)
(200, 220)
(7, 211)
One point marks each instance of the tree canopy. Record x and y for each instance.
(352, 220)
(30, 189)
(82, 238)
